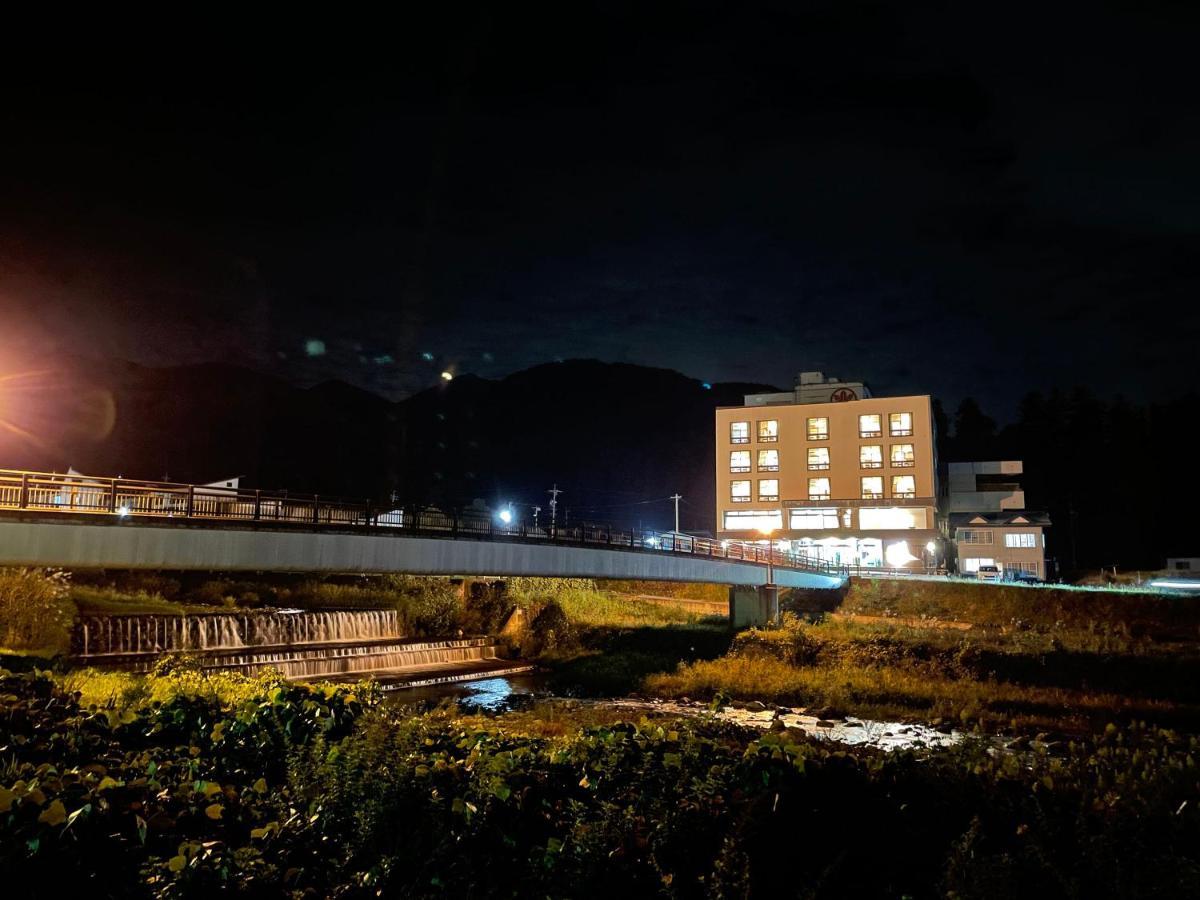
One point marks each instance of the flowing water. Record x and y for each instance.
(301, 645)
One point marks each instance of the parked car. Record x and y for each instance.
(988, 573)
(1026, 578)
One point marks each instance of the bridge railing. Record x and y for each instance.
(43, 492)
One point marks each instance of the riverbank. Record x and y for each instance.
(253, 787)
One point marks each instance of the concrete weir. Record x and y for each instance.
(161, 544)
(336, 645)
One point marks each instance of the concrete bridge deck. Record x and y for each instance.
(86, 522)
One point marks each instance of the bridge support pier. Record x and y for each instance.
(753, 605)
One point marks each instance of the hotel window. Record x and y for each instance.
(818, 489)
(818, 458)
(768, 489)
(739, 432)
(768, 460)
(1020, 540)
(812, 519)
(872, 487)
(739, 460)
(754, 520)
(870, 456)
(904, 486)
(900, 424)
(902, 456)
(739, 491)
(818, 429)
(870, 425)
(768, 431)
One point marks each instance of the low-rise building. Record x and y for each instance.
(986, 522)
(1015, 542)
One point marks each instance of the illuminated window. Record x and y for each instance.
(872, 487)
(870, 425)
(739, 491)
(818, 489)
(739, 432)
(754, 520)
(902, 456)
(768, 460)
(768, 489)
(892, 518)
(768, 430)
(900, 424)
(739, 461)
(904, 486)
(818, 429)
(818, 458)
(972, 563)
(1020, 540)
(812, 519)
(870, 456)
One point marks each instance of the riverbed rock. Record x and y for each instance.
(1019, 743)
(737, 704)
(827, 712)
(825, 723)
(852, 724)
(783, 711)
(755, 706)
(777, 725)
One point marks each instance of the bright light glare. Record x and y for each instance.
(898, 555)
(506, 516)
(122, 511)
(931, 546)
(447, 376)
(1183, 585)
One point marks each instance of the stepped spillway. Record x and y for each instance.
(303, 645)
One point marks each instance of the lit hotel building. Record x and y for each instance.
(831, 472)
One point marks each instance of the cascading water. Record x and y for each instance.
(298, 644)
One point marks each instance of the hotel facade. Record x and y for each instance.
(831, 472)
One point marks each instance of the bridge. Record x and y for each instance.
(76, 521)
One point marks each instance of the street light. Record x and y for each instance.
(931, 549)
(506, 515)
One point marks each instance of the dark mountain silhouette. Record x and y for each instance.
(612, 436)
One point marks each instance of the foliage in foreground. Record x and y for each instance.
(300, 791)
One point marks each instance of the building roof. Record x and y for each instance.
(1002, 519)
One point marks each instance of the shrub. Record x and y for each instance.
(35, 610)
(552, 630)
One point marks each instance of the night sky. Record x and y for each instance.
(954, 198)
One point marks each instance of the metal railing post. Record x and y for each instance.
(316, 509)
(112, 495)
(23, 500)
(257, 505)
(191, 500)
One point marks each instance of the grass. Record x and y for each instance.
(990, 678)
(604, 609)
(127, 692)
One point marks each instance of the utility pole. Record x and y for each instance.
(553, 492)
(536, 510)
(676, 498)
